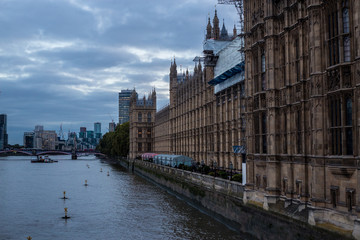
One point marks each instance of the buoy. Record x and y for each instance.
(100, 169)
(86, 183)
(64, 196)
(108, 173)
(29, 238)
(66, 216)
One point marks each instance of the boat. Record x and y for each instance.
(43, 159)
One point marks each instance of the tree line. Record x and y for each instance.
(116, 143)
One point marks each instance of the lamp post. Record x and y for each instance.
(231, 168)
(215, 166)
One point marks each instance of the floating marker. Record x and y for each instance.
(64, 196)
(29, 238)
(100, 169)
(66, 216)
(108, 173)
(86, 183)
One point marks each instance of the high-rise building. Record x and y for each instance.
(29, 140)
(112, 126)
(124, 105)
(82, 133)
(97, 130)
(3, 131)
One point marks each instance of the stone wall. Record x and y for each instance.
(223, 200)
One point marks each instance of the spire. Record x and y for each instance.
(216, 29)
(234, 32)
(224, 34)
(208, 29)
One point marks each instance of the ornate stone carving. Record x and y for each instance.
(333, 80)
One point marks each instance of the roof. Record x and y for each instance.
(228, 74)
(215, 45)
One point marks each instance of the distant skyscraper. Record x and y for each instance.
(124, 105)
(97, 130)
(3, 131)
(29, 139)
(112, 126)
(82, 133)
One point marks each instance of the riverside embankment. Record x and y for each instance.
(224, 200)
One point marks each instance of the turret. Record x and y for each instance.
(216, 28)
(208, 29)
(224, 33)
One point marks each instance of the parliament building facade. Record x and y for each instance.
(290, 99)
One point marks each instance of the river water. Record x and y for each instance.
(119, 206)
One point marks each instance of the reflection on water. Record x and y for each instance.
(118, 206)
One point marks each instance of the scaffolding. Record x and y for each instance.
(239, 4)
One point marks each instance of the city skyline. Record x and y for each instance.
(65, 62)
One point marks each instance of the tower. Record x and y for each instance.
(208, 29)
(216, 28)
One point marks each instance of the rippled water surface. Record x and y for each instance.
(118, 206)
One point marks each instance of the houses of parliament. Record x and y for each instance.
(287, 91)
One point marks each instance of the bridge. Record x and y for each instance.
(38, 152)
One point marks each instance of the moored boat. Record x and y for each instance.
(43, 159)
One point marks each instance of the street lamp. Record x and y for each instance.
(231, 168)
(215, 166)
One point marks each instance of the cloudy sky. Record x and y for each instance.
(64, 61)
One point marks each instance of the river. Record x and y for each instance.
(118, 205)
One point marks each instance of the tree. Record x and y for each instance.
(116, 143)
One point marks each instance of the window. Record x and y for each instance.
(242, 90)
(333, 40)
(298, 187)
(298, 131)
(264, 131)
(139, 117)
(235, 91)
(139, 147)
(265, 181)
(334, 193)
(285, 133)
(149, 147)
(257, 183)
(297, 60)
(139, 133)
(338, 36)
(149, 117)
(260, 131)
(350, 198)
(345, 16)
(341, 125)
(263, 80)
(148, 133)
(285, 185)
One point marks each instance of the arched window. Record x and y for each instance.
(263, 69)
(345, 17)
(139, 117)
(149, 117)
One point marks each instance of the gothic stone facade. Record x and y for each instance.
(142, 120)
(303, 93)
(203, 125)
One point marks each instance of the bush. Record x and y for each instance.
(237, 178)
(223, 174)
(211, 174)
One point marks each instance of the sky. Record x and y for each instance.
(63, 62)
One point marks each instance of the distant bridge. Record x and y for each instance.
(35, 152)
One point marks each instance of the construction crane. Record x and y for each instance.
(239, 4)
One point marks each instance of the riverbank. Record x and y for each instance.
(224, 200)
